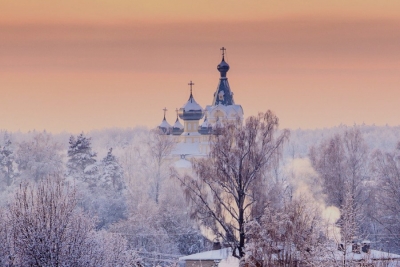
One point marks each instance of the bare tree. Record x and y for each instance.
(160, 147)
(225, 186)
(386, 167)
(286, 235)
(342, 164)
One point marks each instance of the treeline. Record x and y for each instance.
(118, 186)
(126, 194)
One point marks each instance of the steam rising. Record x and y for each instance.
(306, 183)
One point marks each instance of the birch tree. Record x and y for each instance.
(160, 146)
(224, 187)
(386, 167)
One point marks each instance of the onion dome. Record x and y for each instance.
(223, 67)
(177, 129)
(164, 126)
(223, 94)
(191, 110)
(178, 124)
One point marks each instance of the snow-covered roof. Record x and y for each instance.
(359, 256)
(187, 149)
(219, 254)
(178, 124)
(205, 123)
(164, 124)
(191, 105)
(229, 262)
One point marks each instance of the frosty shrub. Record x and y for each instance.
(43, 227)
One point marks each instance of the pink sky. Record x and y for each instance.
(83, 65)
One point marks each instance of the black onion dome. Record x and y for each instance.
(191, 110)
(223, 67)
(223, 95)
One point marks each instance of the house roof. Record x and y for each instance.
(209, 255)
(371, 255)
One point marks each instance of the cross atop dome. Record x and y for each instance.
(223, 95)
(191, 110)
(223, 49)
(164, 125)
(165, 112)
(191, 89)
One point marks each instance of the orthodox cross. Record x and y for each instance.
(223, 49)
(176, 112)
(191, 84)
(165, 111)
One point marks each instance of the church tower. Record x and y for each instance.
(223, 106)
(223, 95)
(192, 139)
(191, 113)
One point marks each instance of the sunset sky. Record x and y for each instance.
(82, 65)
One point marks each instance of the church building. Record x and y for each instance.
(193, 136)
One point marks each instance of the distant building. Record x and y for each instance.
(192, 137)
(357, 256)
(214, 258)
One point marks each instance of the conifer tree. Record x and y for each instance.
(82, 160)
(112, 173)
(7, 161)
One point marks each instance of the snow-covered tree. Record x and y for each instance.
(342, 163)
(349, 226)
(287, 234)
(165, 227)
(226, 184)
(81, 159)
(386, 168)
(105, 196)
(44, 227)
(39, 157)
(7, 161)
(160, 147)
(112, 173)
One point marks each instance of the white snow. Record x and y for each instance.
(164, 124)
(229, 111)
(191, 105)
(209, 255)
(183, 164)
(205, 124)
(187, 149)
(229, 262)
(178, 125)
(373, 255)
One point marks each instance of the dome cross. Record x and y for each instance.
(165, 111)
(191, 89)
(223, 49)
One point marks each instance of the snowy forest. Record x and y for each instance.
(115, 197)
